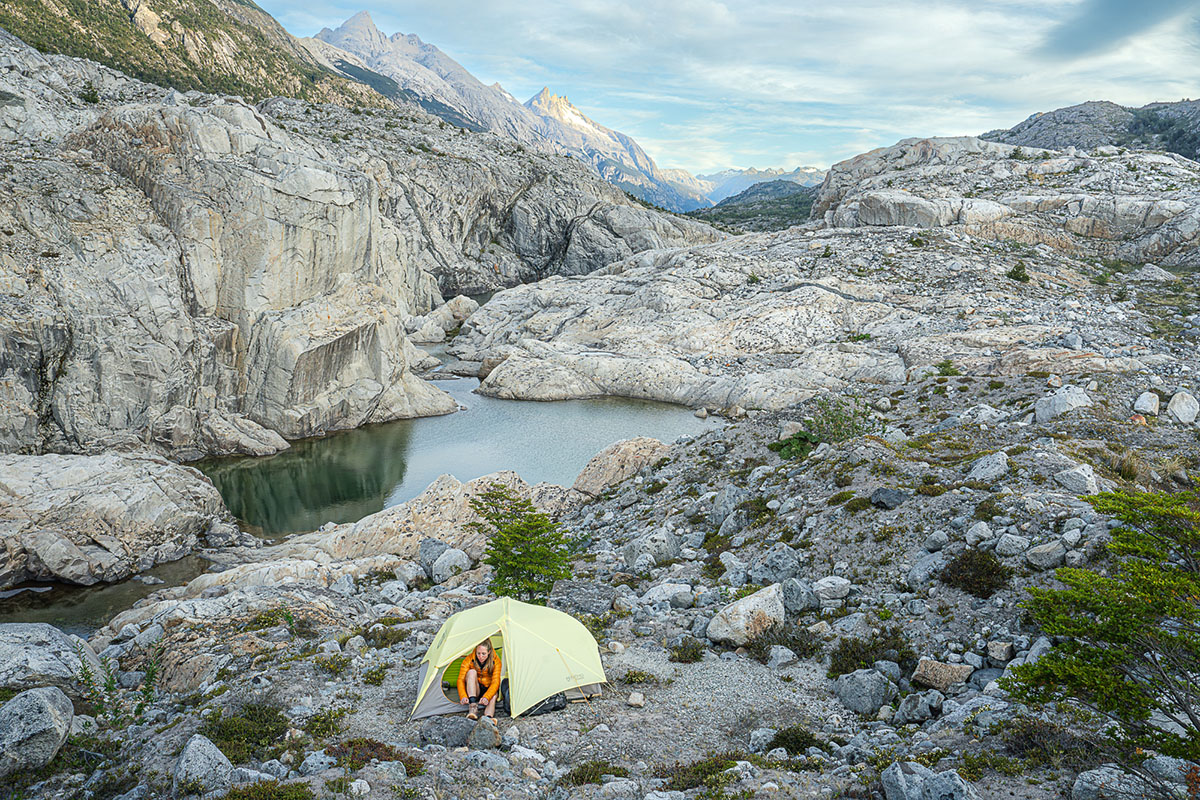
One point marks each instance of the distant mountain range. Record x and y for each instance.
(764, 206)
(421, 73)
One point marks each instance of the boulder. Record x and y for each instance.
(1183, 408)
(450, 563)
(202, 764)
(485, 735)
(918, 707)
(581, 597)
(617, 462)
(661, 545)
(1106, 783)
(451, 731)
(740, 621)
(33, 726)
(902, 780)
(831, 588)
(428, 552)
(1146, 403)
(778, 565)
(1011, 544)
(1063, 401)
(1078, 480)
(864, 691)
(990, 468)
(940, 675)
(668, 592)
(1046, 556)
(923, 571)
(888, 498)
(798, 596)
(35, 654)
(726, 502)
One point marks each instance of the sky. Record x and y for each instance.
(711, 84)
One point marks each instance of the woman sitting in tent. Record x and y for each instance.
(482, 668)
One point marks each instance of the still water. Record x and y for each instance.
(346, 476)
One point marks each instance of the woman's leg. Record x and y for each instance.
(473, 694)
(491, 708)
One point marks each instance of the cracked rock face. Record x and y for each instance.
(86, 519)
(214, 278)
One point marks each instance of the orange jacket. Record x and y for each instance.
(489, 679)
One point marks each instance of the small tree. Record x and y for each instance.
(1130, 647)
(527, 551)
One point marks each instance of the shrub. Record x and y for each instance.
(852, 654)
(375, 675)
(655, 487)
(636, 677)
(326, 723)
(89, 93)
(946, 368)
(253, 732)
(976, 572)
(270, 790)
(385, 637)
(527, 551)
(1046, 744)
(798, 445)
(839, 498)
(757, 510)
(1128, 644)
(858, 504)
(1018, 273)
(354, 754)
(987, 510)
(689, 651)
(592, 772)
(837, 419)
(708, 773)
(335, 663)
(796, 740)
(793, 637)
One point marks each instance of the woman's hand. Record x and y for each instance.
(464, 701)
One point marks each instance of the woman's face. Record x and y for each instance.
(481, 653)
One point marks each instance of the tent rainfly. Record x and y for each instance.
(544, 652)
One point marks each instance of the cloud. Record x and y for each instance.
(1099, 25)
(706, 84)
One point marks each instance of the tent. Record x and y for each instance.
(542, 652)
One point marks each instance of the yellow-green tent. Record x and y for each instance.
(542, 652)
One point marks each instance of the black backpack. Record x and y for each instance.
(555, 702)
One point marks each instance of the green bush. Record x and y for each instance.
(354, 754)
(335, 664)
(526, 550)
(253, 732)
(784, 634)
(708, 773)
(326, 722)
(592, 772)
(1129, 639)
(837, 419)
(946, 368)
(375, 675)
(839, 498)
(976, 572)
(689, 651)
(796, 740)
(798, 445)
(858, 504)
(271, 790)
(1018, 273)
(852, 654)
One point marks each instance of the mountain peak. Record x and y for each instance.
(357, 33)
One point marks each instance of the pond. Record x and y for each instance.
(346, 476)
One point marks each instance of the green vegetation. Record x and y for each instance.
(946, 368)
(326, 722)
(709, 774)
(335, 664)
(857, 504)
(1174, 134)
(1018, 273)
(839, 498)
(354, 754)
(976, 572)
(1129, 639)
(592, 772)
(852, 654)
(527, 551)
(271, 790)
(798, 445)
(103, 31)
(750, 211)
(788, 635)
(689, 651)
(375, 675)
(254, 732)
(796, 740)
(113, 706)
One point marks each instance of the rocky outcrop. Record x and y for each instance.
(85, 519)
(33, 726)
(768, 320)
(208, 277)
(617, 462)
(1133, 206)
(34, 654)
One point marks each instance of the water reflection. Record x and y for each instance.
(347, 476)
